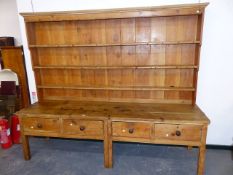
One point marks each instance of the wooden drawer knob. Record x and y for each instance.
(82, 128)
(131, 130)
(39, 125)
(178, 133)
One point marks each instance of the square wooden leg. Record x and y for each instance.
(106, 162)
(26, 148)
(201, 160)
(108, 148)
(202, 152)
(110, 154)
(190, 148)
(107, 145)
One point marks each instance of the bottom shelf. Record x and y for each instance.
(159, 95)
(118, 88)
(129, 100)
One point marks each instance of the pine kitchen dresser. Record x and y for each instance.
(125, 75)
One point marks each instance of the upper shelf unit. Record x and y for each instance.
(134, 54)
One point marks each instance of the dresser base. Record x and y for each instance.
(111, 122)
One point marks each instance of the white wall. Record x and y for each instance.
(9, 20)
(215, 83)
(216, 73)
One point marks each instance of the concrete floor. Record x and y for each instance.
(79, 157)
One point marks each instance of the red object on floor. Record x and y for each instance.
(5, 134)
(15, 129)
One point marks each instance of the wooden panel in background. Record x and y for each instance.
(13, 59)
(113, 31)
(128, 30)
(143, 29)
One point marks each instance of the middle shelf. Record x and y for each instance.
(125, 88)
(119, 67)
(113, 44)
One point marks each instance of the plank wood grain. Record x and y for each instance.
(118, 75)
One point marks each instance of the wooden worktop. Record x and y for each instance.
(181, 113)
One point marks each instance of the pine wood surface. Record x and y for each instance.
(168, 10)
(160, 52)
(171, 113)
(119, 55)
(117, 75)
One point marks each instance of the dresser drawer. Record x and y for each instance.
(131, 129)
(41, 124)
(183, 132)
(83, 127)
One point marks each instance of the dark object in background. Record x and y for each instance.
(8, 88)
(3, 107)
(9, 103)
(7, 41)
(1, 63)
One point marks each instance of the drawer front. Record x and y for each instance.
(184, 132)
(41, 124)
(83, 127)
(131, 129)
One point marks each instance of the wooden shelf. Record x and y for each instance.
(120, 67)
(133, 12)
(113, 44)
(125, 88)
(98, 55)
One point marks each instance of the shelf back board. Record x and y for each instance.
(127, 55)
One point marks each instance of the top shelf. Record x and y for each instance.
(156, 11)
(113, 44)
